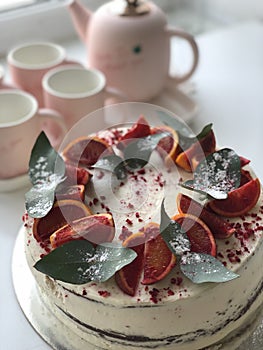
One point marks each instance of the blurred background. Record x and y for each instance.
(40, 18)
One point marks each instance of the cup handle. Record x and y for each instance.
(190, 39)
(53, 124)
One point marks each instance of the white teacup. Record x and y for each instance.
(21, 121)
(75, 91)
(29, 62)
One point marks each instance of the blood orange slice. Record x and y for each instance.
(76, 175)
(76, 192)
(62, 212)
(219, 227)
(169, 145)
(86, 150)
(128, 277)
(239, 201)
(200, 236)
(139, 129)
(158, 258)
(97, 228)
(190, 158)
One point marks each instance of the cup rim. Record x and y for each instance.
(13, 61)
(28, 116)
(65, 95)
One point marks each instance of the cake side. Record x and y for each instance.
(162, 311)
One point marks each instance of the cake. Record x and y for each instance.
(148, 311)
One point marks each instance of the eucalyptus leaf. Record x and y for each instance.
(44, 161)
(78, 262)
(173, 234)
(69, 262)
(108, 259)
(40, 198)
(217, 175)
(176, 124)
(112, 163)
(186, 137)
(200, 268)
(138, 152)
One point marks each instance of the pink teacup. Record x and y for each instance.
(29, 62)
(75, 91)
(21, 121)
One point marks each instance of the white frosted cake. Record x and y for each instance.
(168, 311)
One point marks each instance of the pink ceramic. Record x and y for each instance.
(20, 123)
(129, 41)
(29, 62)
(75, 91)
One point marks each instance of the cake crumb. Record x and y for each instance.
(104, 293)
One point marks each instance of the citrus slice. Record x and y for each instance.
(219, 227)
(169, 145)
(191, 157)
(158, 258)
(200, 236)
(76, 175)
(97, 228)
(139, 129)
(62, 212)
(128, 277)
(86, 150)
(76, 192)
(239, 201)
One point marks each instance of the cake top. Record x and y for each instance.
(138, 202)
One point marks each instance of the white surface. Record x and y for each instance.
(229, 92)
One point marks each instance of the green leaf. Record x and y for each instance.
(217, 174)
(69, 262)
(78, 262)
(205, 131)
(46, 171)
(108, 259)
(176, 124)
(138, 152)
(200, 268)
(40, 198)
(44, 161)
(186, 137)
(173, 234)
(112, 163)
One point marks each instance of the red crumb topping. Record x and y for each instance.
(104, 293)
(154, 295)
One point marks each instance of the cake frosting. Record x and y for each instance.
(173, 313)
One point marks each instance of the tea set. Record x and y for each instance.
(128, 59)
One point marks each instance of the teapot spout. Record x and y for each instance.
(80, 17)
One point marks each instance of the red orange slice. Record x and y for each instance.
(128, 277)
(85, 150)
(239, 201)
(219, 227)
(97, 228)
(169, 145)
(158, 258)
(139, 129)
(200, 236)
(191, 157)
(62, 212)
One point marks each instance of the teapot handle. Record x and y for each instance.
(190, 39)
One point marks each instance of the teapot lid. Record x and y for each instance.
(131, 8)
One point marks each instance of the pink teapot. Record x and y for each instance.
(129, 41)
